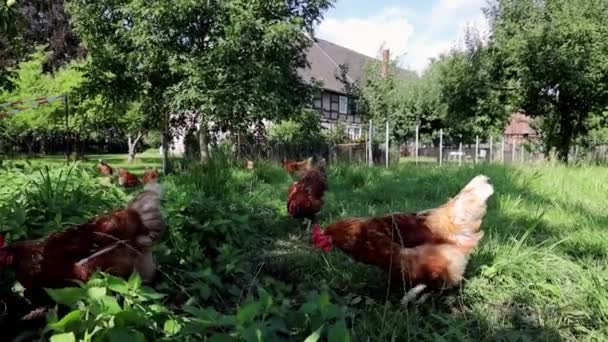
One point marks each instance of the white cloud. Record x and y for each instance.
(415, 37)
(367, 35)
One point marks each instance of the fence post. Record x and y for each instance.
(370, 161)
(417, 128)
(476, 149)
(440, 146)
(502, 150)
(491, 150)
(366, 146)
(387, 143)
(460, 154)
(513, 148)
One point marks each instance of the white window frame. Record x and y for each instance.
(343, 108)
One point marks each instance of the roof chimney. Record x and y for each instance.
(385, 62)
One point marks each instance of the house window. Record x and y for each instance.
(326, 102)
(343, 105)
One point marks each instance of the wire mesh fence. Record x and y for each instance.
(376, 146)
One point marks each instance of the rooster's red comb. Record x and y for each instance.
(319, 239)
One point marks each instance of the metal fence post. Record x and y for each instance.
(417, 128)
(502, 150)
(513, 148)
(491, 150)
(387, 144)
(370, 161)
(440, 146)
(476, 149)
(460, 154)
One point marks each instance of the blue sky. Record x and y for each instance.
(414, 31)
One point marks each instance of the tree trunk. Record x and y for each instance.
(133, 145)
(203, 141)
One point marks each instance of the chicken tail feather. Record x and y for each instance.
(147, 205)
(460, 218)
(469, 206)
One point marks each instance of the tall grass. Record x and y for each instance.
(540, 274)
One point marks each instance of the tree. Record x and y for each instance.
(232, 63)
(555, 54)
(420, 103)
(475, 106)
(30, 82)
(250, 72)
(10, 25)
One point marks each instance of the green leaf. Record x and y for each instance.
(134, 281)
(149, 293)
(222, 338)
(122, 334)
(62, 325)
(66, 337)
(172, 327)
(130, 317)
(338, 332)
(110, 304)
(248, 312)
(118, 285)
(96, 292)
(253, 334)
(68, 296)
(331, 311)
(204, 290)
(315, 336)
(324, 300)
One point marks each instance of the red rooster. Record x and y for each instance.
(117, 243)
(426, 249)
(105, 169)
(297, 167)
(150, 175)
(306, 195)
(127, 179)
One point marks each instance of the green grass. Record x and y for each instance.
(540, 273)
(149, 158)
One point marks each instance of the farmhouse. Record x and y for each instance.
(334, 103)
(519, 129)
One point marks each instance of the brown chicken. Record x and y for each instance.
(150, 175)
(297, 168)
(118, 243)
(426, 249)
(127, 179)
(105, 169)
(306, 195)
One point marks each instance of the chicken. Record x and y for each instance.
(250, 165)
(150, 175)
(127, 179)
(105, 169)
(118, 243)
(306, 195)
(297, 168)
(426, 249)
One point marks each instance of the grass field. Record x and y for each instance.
(540, 274)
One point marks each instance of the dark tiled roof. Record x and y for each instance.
(520, 124)
(326, 57)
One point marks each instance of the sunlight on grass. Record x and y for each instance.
(540, 273)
